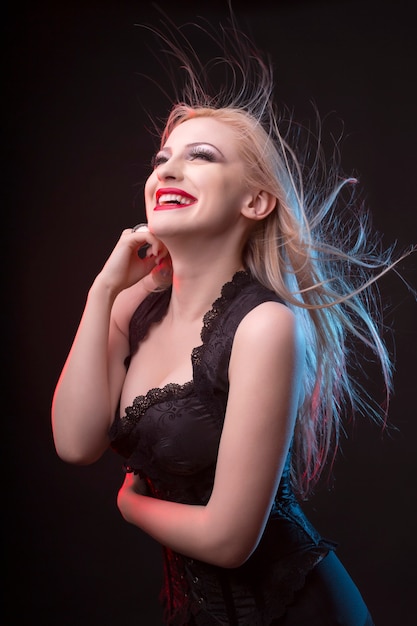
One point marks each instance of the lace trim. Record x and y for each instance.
(154, 396)
(229, 291)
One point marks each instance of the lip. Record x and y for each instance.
(175, 191)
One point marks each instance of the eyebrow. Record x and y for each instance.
(198, 143)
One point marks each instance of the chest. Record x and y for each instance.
(163, 357)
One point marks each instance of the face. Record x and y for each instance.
(198, 180)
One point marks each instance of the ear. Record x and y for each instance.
(259, 205)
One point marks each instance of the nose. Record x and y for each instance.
(169, 170)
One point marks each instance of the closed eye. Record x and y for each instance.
(202, 153)
(195, 152)
(158, 159)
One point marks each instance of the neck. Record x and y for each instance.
(196, 285)
(202, 263)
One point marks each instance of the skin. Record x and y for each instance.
(203, 242)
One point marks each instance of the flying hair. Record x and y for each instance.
(316, 250)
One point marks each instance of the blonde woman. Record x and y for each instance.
(213, 355)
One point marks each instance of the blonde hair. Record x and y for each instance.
(322, 265)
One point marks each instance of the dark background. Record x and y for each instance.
(77, 152)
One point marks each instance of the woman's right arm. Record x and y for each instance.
(90, 383)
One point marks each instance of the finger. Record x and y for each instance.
(143, 251)
(161, 255)
(158, 250)
(140, 227)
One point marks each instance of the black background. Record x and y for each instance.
(77, 152)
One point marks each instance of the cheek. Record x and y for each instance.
(150, 187)
(234, 193)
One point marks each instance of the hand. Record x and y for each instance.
(125, 267)
(129, 494)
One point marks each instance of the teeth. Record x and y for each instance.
(170, 198)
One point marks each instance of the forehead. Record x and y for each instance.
(204, 130)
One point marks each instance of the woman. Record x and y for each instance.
(213, 354)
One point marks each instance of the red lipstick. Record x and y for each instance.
(173, 198)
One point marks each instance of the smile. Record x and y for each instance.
(173, 199)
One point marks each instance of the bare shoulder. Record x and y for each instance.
(267, 323)
(269, 334)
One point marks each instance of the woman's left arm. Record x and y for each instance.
(265, 373)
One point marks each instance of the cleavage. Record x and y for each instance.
(163, 357)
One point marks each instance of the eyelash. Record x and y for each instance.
(202, 153)
(158, 159)
(195, 153)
